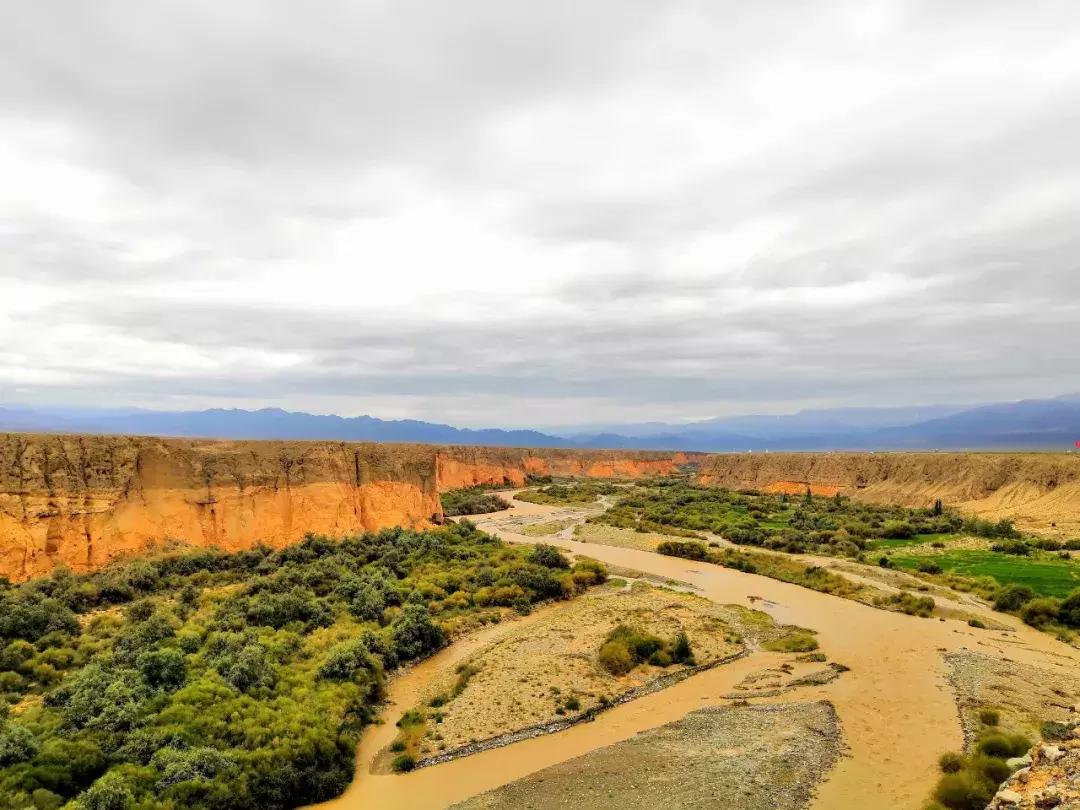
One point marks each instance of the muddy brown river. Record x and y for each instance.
(895, 705)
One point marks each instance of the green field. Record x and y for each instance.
(1047, 575)
(917, 540)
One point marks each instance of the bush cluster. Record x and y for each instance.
(236, 681)
(626, 647)
(578, 492)
(472, 501)
(835, 526)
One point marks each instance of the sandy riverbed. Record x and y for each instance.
(895, 706)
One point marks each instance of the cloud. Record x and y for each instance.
(498, 212)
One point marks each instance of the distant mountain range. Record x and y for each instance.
(1034, 424)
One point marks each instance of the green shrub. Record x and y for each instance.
(1055, 731)
(471, 501)
(110, 792)
(898, 529)
(1040, 612)
(964, 790)
(549, 557)
(951, 762)
(996, 744)
(615, 657)
(797, 641)
(689, 551)
(626, 647)
(993, 769)
(403, 762)
(989, 717)
(17, 744)
(1069, 612)
(1011, 598)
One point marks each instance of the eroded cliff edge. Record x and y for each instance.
(1039, 491)
(83, 500)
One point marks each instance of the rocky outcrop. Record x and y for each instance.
(1049, 776)
(1037, 490)
(80, 501)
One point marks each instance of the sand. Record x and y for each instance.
(895, 705)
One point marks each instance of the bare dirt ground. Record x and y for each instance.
(1024, 696)
(528, 675)
(896, 705)
(613, 536)
(547, 669)
(753, 757)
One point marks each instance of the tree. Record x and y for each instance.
(110, 792)
(415, 633)
(250, 670)
(163, 669)
(549, 557)
(17, 744)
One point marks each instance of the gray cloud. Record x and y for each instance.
(497, 212)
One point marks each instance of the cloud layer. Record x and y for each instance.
(505, 213)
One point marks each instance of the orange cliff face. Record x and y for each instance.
(470, 466)
(81, 501)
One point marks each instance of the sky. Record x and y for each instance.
(509, 213)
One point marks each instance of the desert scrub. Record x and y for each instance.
(796, 640)
(471, 501)
(909, 603)
(775, 566)
(627, 647)
(836, 526)
(969, 782)
(573, 494)
(255, 670)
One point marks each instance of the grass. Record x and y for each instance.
(798, 640)
(544, 529)
(1046, 575)
(917, 540)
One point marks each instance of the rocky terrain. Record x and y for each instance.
(1048, 777)
(766, 757)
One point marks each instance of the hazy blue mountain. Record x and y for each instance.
(1028, 424)
(273, 423)
(1032, 423)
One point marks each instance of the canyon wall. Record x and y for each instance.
(83, 500)
(1039, 491)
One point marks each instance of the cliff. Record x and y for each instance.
(1039, 491)
(83, 500)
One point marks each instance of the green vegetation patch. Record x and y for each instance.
(834, 526)
(1044, 573)
(472, 501)
(627, 647)
(573, 494)
(210, 680)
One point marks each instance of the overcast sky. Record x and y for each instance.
(508, 213)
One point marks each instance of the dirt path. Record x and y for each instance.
(895, 706)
